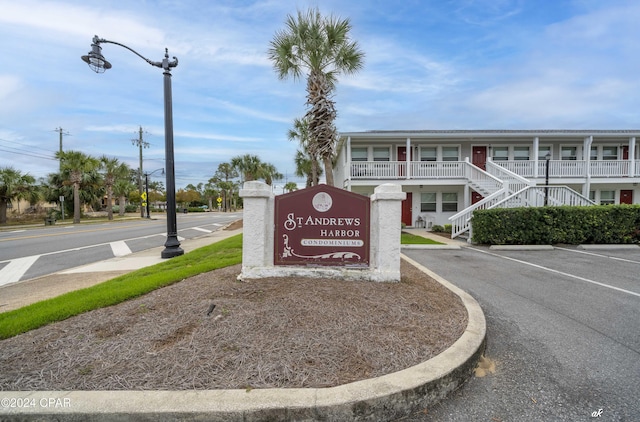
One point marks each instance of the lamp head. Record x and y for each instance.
(95, 59)
(548, 156)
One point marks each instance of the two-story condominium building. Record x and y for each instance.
(447, 174)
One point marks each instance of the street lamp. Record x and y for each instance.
(546, 178)
(146, 189)
(99, 64)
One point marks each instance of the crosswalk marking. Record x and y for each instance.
(16, 268)
(200, 229)
(120, 248)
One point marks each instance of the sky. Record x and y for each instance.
(432, 64)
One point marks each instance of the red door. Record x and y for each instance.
(479, 156)
(625, 152)
(406, 210)
(476, 197)
(626, 197)
(402, 156)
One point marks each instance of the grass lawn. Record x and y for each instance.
(218, 255)
(412, 239)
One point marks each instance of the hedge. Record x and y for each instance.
(602, 224)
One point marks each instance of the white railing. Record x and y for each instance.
(461, 222)
(514, 182)
(612, 168)
(534, 196)
(521, 167)
(482, 179)
(378, 169)
(437, 169)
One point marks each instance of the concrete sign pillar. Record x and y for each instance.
(386, 210)
(258, 221)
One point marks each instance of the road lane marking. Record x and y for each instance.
(559, 272)
(16, 268)
(201, 229)
(120, 248)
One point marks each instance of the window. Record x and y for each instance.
(500, 153)
(609, 153)
(358, 154)
(543, 151)
(450, 154)
(427, 201)
(593, 155)
(381, 154)
(521, 153)
(569, 153)
(428, 154)
(607, 197)
(592, 195)
(450, 202)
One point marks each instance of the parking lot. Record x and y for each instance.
(562, 330)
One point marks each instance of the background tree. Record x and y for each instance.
(77, 168)
(113, 171)
(187, 196)
(122, 188)
(252, 168)
(306, 160)
(15, 185)
(223, 179)
(320, 47)
(290, 186)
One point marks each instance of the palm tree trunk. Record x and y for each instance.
(328, 169)
(76, 203)
(121, 205)
(3, 212)
(109, 206)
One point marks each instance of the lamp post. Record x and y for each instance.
(146, 188)
(546, 178)
(99, 64)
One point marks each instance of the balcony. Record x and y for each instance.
(389, 170)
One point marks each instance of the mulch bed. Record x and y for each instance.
(277, 332)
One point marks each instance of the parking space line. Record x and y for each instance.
(600, 255)
(558, 272)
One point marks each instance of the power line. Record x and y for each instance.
(19, 152)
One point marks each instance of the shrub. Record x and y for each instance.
(437, 228)
(552, 225)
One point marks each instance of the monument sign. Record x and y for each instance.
(322, 226)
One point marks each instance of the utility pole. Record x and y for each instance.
(61, 132)
(141, 144)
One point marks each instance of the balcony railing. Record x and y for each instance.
(456, 169)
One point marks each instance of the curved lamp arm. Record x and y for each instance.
(99, 64)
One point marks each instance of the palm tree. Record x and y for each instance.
(114, 171)
(76, 166)
(251, 168)
(321, 48)
(15, 185)
(307, 164)
(121, 189)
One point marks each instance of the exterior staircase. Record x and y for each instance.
(505, 189)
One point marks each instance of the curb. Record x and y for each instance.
(383, 398)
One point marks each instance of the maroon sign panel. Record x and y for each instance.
(322, 225)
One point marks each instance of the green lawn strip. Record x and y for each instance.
(412, 239)
(208, 258)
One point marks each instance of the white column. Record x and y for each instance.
(386, 213)
(258, 221)
(632, 155)
(408, 158)
(536, 154)
(348, 166)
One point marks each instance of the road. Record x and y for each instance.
(26, 254)
(562, 332)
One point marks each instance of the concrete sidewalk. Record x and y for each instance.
(383, 398)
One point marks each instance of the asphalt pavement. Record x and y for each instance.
(562, 333)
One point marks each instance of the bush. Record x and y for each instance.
(437, 228)
(447, 228)
(552, 225)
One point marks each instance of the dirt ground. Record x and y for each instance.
(214, 332)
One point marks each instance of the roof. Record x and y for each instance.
(494, 132)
